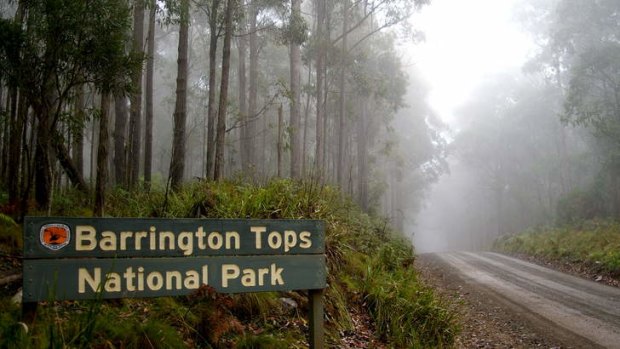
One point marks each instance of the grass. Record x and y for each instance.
(595, 243)
(368, 266)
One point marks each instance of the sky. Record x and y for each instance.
(464, 42)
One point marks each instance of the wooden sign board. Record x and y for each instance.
(86, 258)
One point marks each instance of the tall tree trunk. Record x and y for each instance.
(6, 129)
(135, 120)
(43, 163)
(120, 150)
(340, 167)
(102, 156)
(148, 123)
(304, 154)
(43, 174)
(17, 122)
(244, 138)
(221, 116)
(362, 157)
(177, 161)
(27, 165)
(94, 136)
(253, 91)
(77, 148)
(17, 117)
(211, 106)
(320, 107)
(295, 103)
(279, 144)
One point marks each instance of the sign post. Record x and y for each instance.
(87, 258)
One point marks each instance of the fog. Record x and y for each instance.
(526, 91)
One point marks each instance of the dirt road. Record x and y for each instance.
(512, 303)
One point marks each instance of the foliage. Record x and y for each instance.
(579, 52)
(578, 206)
(405, 311)
(367, 267)
(72, 42)
(595, 242)
(10, 235)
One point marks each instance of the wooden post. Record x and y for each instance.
(29, 312)
(316, 318)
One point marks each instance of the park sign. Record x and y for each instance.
(86, 258)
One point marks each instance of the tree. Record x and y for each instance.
(148, 122)
(242, 48)
(321, 51)
(177, 161)
(582, 48)
(253, 83)
(214, 20)
(297, 36)
(340, 169)
(120, 132)
(221, 115)
(102, 156)
(64, 44)
(135, 111)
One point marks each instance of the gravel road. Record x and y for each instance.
(508, 302)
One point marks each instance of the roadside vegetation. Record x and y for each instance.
(370, 270)
(593, 243)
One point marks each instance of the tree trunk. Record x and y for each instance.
(18, 115)
(320, 107)
(221, 116)
(27, 165)
(340, 167)
(244, 138)
(177, 161)
(77, 148)
(42, 165)
(16, 123)
(362, 157)
(253, 81)
(279, 144)
(6, 129)
(295, 103)
(120, 151)
(304, 154)
(102, 156)
(135, 118)
(148, 123)
(211, 106)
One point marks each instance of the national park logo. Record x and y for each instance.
(55, 236)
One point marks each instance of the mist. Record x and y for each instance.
(530, 139)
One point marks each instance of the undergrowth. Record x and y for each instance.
(368, 266)
(596, 243)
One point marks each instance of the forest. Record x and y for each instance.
(316, 109)
(139, 94)
(211, 109)
(537, 145)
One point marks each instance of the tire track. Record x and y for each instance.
(588, 311)
(605, 308)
